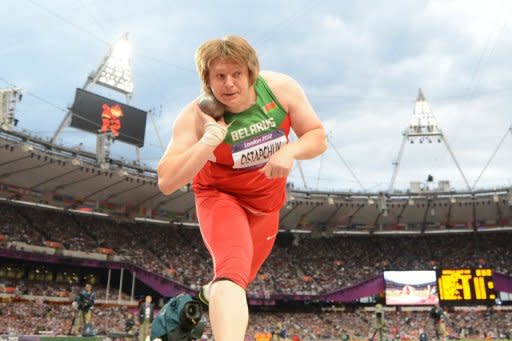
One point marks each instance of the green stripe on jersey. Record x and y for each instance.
(264, 116)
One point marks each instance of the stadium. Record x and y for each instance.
(346, 265)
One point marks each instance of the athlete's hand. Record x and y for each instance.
(213, 131)
(279, 165)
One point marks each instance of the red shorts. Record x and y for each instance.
(238, 241)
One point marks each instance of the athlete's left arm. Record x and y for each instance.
(305, 123)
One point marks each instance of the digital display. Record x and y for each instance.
(410, 287)
(98, 114)
(466, 286)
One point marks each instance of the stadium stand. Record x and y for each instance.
(299, 264)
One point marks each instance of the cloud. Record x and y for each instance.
(360, 63)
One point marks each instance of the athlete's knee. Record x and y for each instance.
(234, 269)
(235, 279)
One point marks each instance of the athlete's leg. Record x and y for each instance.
(229, 313)
(264, 230)
(225, 230)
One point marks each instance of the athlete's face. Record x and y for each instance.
(229, 82)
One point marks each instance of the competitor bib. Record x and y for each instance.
(254, 152)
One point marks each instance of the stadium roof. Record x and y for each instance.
(35, 170)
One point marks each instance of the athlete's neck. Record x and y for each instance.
(245, 103)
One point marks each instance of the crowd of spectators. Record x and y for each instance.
(401, 325)
(51, 289)
(23, 288)
(40, 318)
(29, 318)
(301, 265)
(16, 228)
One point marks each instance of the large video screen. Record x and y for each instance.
(411, 287)
(98, 114)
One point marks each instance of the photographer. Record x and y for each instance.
(438, 316)
(146, 312)
(83, 304)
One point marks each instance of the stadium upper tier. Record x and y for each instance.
(35, 170)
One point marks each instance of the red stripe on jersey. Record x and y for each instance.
(269, 106)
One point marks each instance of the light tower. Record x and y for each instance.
(423, 127)
(9, 97)
(115, 73)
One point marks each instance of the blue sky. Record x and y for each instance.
(360, 63)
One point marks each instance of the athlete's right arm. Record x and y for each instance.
(185, 154)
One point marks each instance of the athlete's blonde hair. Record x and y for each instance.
(229, 47)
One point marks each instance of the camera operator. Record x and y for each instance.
(380, 322)
(180, 319)
(438, 316)
(83, 303)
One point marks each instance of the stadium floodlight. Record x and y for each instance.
(122, 173)
(330, 200)
(150, 220)
(8, 100)
(87, 212)
(381, 203)
(116, 71)
(105, 166)
(422, 127)
(27, 148)
(186, 224)
(76, 162)
(36, 204)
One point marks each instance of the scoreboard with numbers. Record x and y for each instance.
(466, 286)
